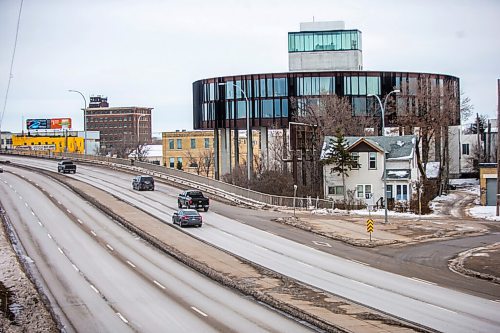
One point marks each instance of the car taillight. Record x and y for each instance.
(190, 202)
(185, 218)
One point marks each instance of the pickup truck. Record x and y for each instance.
(66, 167)
(193, 199)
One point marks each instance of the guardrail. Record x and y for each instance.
(216, 187)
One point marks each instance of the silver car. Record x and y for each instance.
(187, 217)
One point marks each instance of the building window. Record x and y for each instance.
(372, 157)
(179, 143)
(355, 157)
(207, 142)
(172, 162)
(193, 143)
(465, 149)
(170, 143)
(336, 190)
(179, 163)
(402, 192)
(362, 190)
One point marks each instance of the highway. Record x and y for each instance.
(103, 278)
(412, 299)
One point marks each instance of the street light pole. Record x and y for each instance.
(138, 119)
(84, 120)
(382, 108)
(249, 136)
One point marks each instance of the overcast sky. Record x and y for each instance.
(149, 52)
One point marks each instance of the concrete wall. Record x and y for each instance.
(325, 61)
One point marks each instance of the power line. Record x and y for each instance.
(11, 66)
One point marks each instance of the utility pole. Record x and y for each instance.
(498, 147)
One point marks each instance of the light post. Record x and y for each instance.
(84, 120)
(249, 136)
(294, 196)
(138, 119)
(382, 108)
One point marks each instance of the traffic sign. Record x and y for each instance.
(369, 225)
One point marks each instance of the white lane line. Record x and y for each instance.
(20, 197)
(79, 221)
(76, 268)
(441, 308)
(93, 233)
(358, 262)
(36, 184)
(423, 281)
(131, 264)
(50, 195)
(40, 223)
(26, 204)
(158, 284)
(68, 211)
(49, 236)
(304, 264)
(60, 250)
(199, 311)
(33, 213)
(59, 202)
(122, 317)
(95, 289)
(109, 247)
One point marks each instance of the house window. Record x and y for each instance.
(355, 157)
(363, 189)
(179, 143)
(336, 190)
(465, 148)
(170, 143)
(207, 143)
(402, 192)
(193, 143)
(179, 163)
(172, 162)
(372, 157)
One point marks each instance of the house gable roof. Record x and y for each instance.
(396, 147)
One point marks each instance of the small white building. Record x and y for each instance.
(368, 180)
(152, 154)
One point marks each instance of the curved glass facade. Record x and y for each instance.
(271, 98)
(341, 40)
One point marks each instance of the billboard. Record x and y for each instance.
(54, 123)
(35, 124)
(60, 123)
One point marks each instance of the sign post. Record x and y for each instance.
(369, 227)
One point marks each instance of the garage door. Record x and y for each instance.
(491, 191)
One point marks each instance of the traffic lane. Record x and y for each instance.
(206, 297)
(76, 304)
(426, 261)
(109, 278)
(407, 298)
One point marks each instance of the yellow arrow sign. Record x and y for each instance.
(369, 225)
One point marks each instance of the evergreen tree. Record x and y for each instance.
(341, 159)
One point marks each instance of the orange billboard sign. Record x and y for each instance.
(60, 123)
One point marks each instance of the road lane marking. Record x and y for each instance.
(322, 243)
(423, 281)
(79, 221)
(94, 288)
(441, 308)
(158, 284)
(109, 247)
(33, 213)
(76, 268)
(93, 233)
(59, 202)
(40, 223)
(60, 250)
(122, 317)
(26, 204)
(131, 264)
(68, 211)
(49, 236)
(358, 262)
(304, 264)
(199, 311)
(20, 197)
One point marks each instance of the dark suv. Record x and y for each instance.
(143, 183)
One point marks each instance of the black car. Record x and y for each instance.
(187, 217)
(143, 183)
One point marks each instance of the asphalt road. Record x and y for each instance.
(410, 298)
(103, 278)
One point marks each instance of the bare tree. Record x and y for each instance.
(194, 161)
(141, 152)
(207, 161)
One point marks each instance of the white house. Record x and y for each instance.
(368, 179)
(152, 154)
